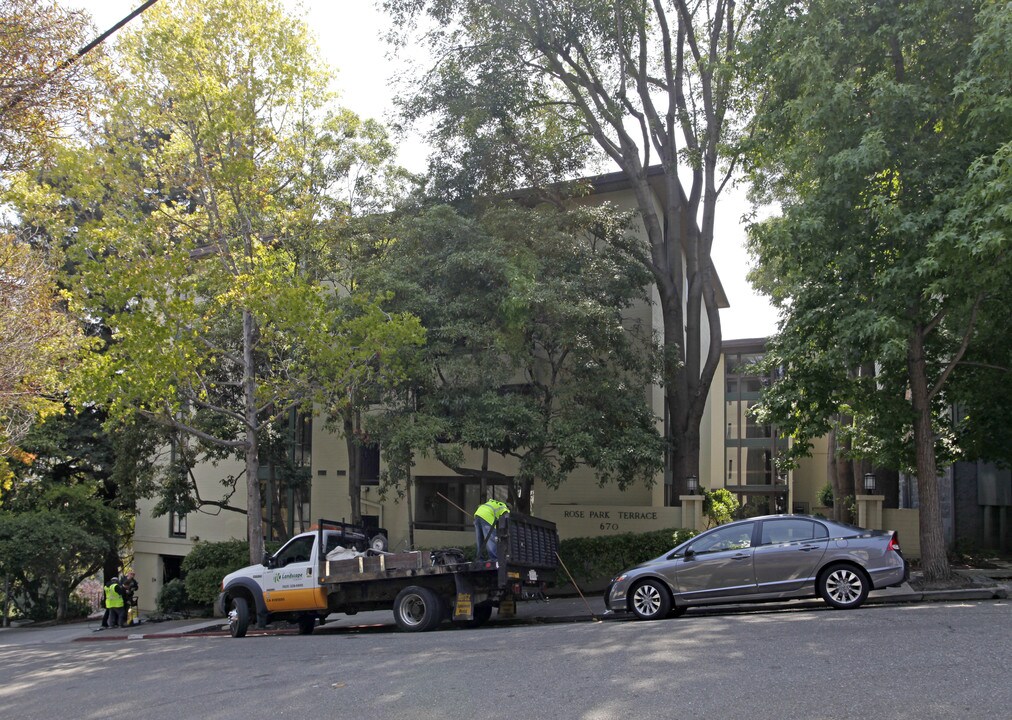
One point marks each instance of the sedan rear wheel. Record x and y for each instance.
(650, 600)
(843, 587)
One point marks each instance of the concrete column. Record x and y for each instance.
(692, 512)
(869, 511)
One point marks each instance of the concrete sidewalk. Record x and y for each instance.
(556, 610)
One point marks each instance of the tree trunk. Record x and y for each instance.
(61, 602)
(5, 610)
(354, 470)
(254, 520)
(934, 561)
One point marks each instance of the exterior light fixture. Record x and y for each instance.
(869, 483)
(692, 484)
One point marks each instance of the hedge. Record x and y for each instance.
(208, 562)
(600, 558)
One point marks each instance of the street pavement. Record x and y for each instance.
(556, 610)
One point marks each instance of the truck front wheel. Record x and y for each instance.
(417, 609)
(238, 617)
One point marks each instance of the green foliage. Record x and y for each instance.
(825, 496)
(893, 233)
(207, 563)
(719, 506)
(597, 559)
(64, 513)
(172, 598)
(527, 355)
(522, 94)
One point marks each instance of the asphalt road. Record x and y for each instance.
(937, 660)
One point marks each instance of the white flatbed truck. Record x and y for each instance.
(423, 588)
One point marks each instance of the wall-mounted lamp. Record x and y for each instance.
(869, 483)
(692, 484)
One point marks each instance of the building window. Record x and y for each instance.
(177, 525)
(369, 464)
(432, 512)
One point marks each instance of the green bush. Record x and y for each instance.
(825, 496)
(172, 597)
(208, 562)
(596, 559)
(719, 506)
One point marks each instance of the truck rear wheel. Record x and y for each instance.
(307, 623)
(238, 617)
(417, 609)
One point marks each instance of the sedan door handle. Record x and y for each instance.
(740, 557)
(808, 548)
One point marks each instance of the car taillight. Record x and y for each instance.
(894, 542)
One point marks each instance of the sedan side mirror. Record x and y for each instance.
(689, 553)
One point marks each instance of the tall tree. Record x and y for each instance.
(527, 355)
(204, 196)
(519, 85)
(884, 135)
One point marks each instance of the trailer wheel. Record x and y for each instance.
(238, 617)
(307, 623)
(417, 609)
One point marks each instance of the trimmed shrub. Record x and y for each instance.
(172, 597)
(719, 506)
(597, 559)
(208, 562)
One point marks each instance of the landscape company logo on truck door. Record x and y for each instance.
(293, 588)
(281, 577)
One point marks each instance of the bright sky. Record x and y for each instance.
(349, 36)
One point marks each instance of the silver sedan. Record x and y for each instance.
(775, 557)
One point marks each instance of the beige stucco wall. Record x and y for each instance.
(152, 539)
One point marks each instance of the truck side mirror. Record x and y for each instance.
(266, 562)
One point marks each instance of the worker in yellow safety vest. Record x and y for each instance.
(485, 519)
(114, 602)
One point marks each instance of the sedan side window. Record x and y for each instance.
(787, 530)
(733, 537)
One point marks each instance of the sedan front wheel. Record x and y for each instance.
(650, 600)
(843, 587)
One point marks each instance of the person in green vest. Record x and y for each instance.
(485, 519)
(115, 603)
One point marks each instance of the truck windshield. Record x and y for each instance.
(299, 549)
